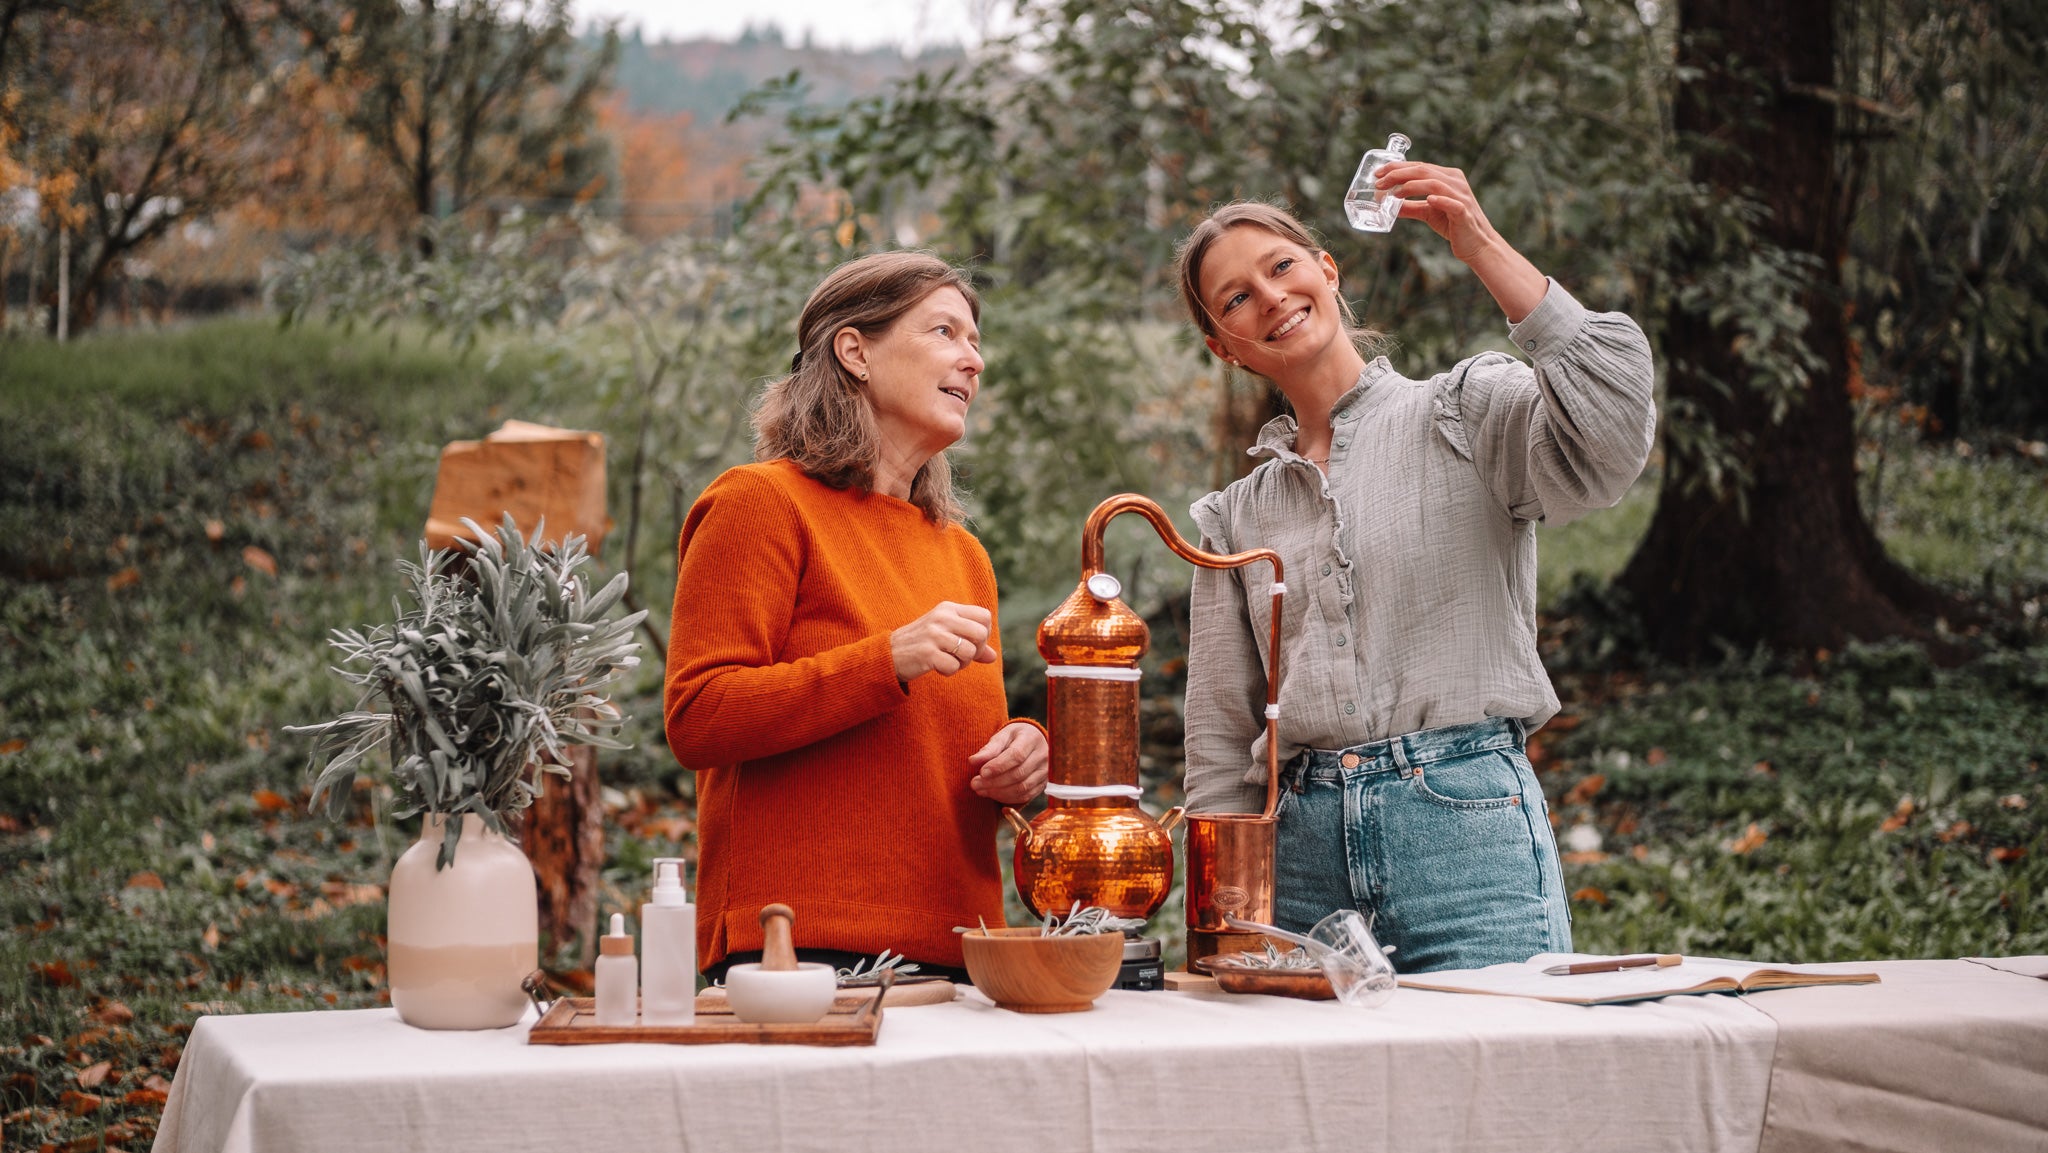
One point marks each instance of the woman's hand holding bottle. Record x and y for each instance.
(1443, 199)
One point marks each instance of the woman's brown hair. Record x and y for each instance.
(1256, 214)
(820, 415)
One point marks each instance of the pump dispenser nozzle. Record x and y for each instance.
(668, 882)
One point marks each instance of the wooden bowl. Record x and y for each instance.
(1025, 972)
(1233, 976)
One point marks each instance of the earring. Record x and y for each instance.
(863, 376)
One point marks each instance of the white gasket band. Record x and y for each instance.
(1272, 712)
(1092, 672)
(1091, 792)
(1279, 588)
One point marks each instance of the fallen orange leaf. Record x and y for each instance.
(1899, 816)
(126, 578)
(1588, 857)
(1749, 841)
(54, 972)
(9, 748)
(271, 802)
(91, 1076)
(1656, 756)
(79, 1104)
(210, 940)
(113, 1013)
(342, 894)
(215, 530)
(146, 1097)
(2006, 854)
(1590, 894)
(144, 880)
(1586, 790)
(259, 560)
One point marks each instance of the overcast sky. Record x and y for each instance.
(909, 24)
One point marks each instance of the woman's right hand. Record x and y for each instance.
(944, 641)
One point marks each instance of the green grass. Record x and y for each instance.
(183, 516)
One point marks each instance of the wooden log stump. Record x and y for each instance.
(564, 838)
(551, 479)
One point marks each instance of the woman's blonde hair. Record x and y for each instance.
(820, 415)
(1255, 214)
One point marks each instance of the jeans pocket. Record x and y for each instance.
(1490, 780)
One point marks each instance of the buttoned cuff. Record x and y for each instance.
(1551, 325)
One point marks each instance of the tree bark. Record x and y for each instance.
(1788, 560)
(564, 838)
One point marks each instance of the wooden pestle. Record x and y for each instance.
(778, 954)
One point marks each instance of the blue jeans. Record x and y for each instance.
(1441, 837)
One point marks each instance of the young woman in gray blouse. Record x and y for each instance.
(1405, 510)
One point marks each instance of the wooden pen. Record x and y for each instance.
(1616, 964)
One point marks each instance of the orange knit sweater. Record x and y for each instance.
(821, 782)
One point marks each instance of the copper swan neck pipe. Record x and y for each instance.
(1091, 563)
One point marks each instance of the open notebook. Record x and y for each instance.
(1692, 975)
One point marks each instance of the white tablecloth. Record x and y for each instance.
(1142, 1071)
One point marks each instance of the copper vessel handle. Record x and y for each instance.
(1091, 563)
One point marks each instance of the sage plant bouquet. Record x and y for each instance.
(492, 668)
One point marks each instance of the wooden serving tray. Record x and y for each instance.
(573, 1021)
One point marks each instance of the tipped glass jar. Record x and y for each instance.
(1368, 207)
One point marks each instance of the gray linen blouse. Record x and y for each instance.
(1411, 567)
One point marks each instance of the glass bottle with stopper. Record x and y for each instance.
(1366, 205)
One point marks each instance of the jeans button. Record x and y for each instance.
(1348, 760)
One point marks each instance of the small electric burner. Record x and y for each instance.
(1142, 969)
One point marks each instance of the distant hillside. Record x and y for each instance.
(705, 78)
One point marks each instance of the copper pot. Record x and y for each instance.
(1093, 844)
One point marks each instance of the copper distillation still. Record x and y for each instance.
(1093, 843)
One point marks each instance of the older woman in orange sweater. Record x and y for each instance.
(834, 666)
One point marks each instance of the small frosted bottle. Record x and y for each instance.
(618, 976)
(1365, 205)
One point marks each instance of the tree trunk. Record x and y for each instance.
(564, 838)
(1788, 561)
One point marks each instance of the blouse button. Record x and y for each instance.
(1340, 640)
(1349, 708)
(1326, 569)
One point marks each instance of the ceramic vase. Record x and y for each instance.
(461, 939)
